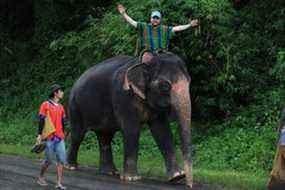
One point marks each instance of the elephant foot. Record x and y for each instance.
(176, 176)
(109, 171)
(130, 178)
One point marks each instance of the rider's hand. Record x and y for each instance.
(39, 139)
(121, 9)
(194, 23)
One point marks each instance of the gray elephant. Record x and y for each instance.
(121, 94)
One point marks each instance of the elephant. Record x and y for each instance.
(122, 93)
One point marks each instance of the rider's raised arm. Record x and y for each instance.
(123, 12)
(192, 23)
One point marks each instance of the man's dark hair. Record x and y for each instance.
(54, 88)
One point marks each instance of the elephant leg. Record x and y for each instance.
(131, 133)
(77, 135)
(163, 137)
(106, 157)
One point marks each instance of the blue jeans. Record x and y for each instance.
(55, 147)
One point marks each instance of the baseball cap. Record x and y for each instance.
(155, 13)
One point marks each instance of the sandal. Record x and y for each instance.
(41, 181)
(70, 167)
(60, 187)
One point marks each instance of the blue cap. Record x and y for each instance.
(155, 13)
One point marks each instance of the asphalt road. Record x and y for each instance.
(18, 173)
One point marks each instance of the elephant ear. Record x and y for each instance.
(135, 79)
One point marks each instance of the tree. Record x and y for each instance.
(17, 16)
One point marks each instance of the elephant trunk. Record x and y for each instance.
(181, 103)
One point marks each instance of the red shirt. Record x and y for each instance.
(57, 114)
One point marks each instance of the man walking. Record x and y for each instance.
(55, 142)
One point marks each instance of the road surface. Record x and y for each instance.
(17, 173)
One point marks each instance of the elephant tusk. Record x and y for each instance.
(126, 85)
(137, 91)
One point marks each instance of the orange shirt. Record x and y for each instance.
(57, 114)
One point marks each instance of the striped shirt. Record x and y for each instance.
(153, 38)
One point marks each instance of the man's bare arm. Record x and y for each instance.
(192, 23)
(123, 12)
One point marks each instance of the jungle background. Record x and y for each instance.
(236, 59)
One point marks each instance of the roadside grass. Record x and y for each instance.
(233, 180)
(153, 167)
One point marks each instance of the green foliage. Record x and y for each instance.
(278, 71)
(238, 149)
(230, 57)
(247, 141)
(18, 133)
(235, 59)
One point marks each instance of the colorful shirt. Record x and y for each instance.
(57, 115)
(153, 38)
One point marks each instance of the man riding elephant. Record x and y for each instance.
(153, 36)
(123, 92)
